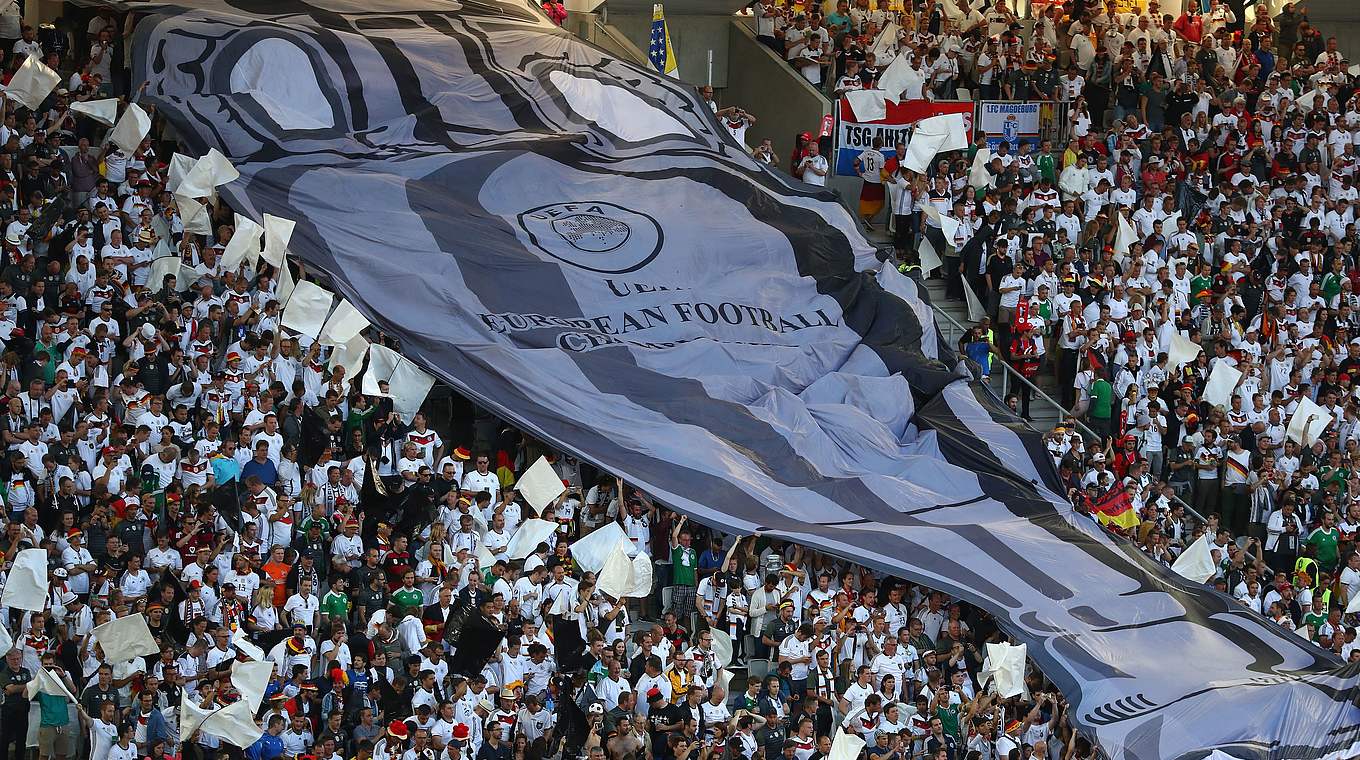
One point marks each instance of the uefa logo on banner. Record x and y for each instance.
(594, 235)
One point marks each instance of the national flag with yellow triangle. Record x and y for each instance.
(660, 52)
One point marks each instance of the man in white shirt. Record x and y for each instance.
(796, 651)
(1350, 576)
(889, 662)
(609, 688)
(481, 479)
(853, 697)
(1012, 287)
(813, 168)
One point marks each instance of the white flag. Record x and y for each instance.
(540, 485)
(530, 534)
(244, 246)
(868, 105)
(194, 215)
(343, 325)
(407, 384)
(127, 134)
(307, 308)
(1222, 382)
(125, 638)
(922, 149)
(591, 551)
(251, 679)
(46, 682)
(1183, 351)
(277, 232)
(32, 83)
(1308, 422)
(207, 174)
(1126, 236)
(978, 176)
(1196, 563)
(104, 111)
(975, 310)
(845, 746)
(26, 587)
(930, 259)
(1007, 663)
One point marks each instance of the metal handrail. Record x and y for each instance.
(1062, 412)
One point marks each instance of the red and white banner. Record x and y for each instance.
(854, 136)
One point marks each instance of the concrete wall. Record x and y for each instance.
(692, 37)
(1339, 18)
(591, 27)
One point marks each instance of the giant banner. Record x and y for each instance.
(576, 244)
(854, 136)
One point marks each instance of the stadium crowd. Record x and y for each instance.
(1203, 197)
(181, 456)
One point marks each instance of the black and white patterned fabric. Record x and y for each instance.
(575, 243)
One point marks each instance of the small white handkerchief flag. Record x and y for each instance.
(244, 246)
(343, 324)
(1222, 382)
(26, 587)
(1308, 422)
(1007, 664)
(1196, 563)
(125, 638)
(845, 746)
(277, 233)
(251, 679)
(540, 485)
(1183, 351)
(868, 105)
(194, 215)
(591, 551)
(407, 384)
(207, 173)
(978, 176)
(951, 125)
(131, 128)
(307, 308)
(350, 356)
(529, 535)
(1126, 236)
(103, 111)
(32, 83)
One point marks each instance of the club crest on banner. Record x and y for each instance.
(594, 235)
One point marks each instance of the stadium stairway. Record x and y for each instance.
(952, 318)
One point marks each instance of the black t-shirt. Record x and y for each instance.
(15, 702)
(998, 267)
(93, 697)
(359, 576)
(950, 746)
(665, 716)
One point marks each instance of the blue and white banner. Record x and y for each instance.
(575, 243)
(1009, 121)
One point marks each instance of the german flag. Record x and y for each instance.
(1115, 507)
